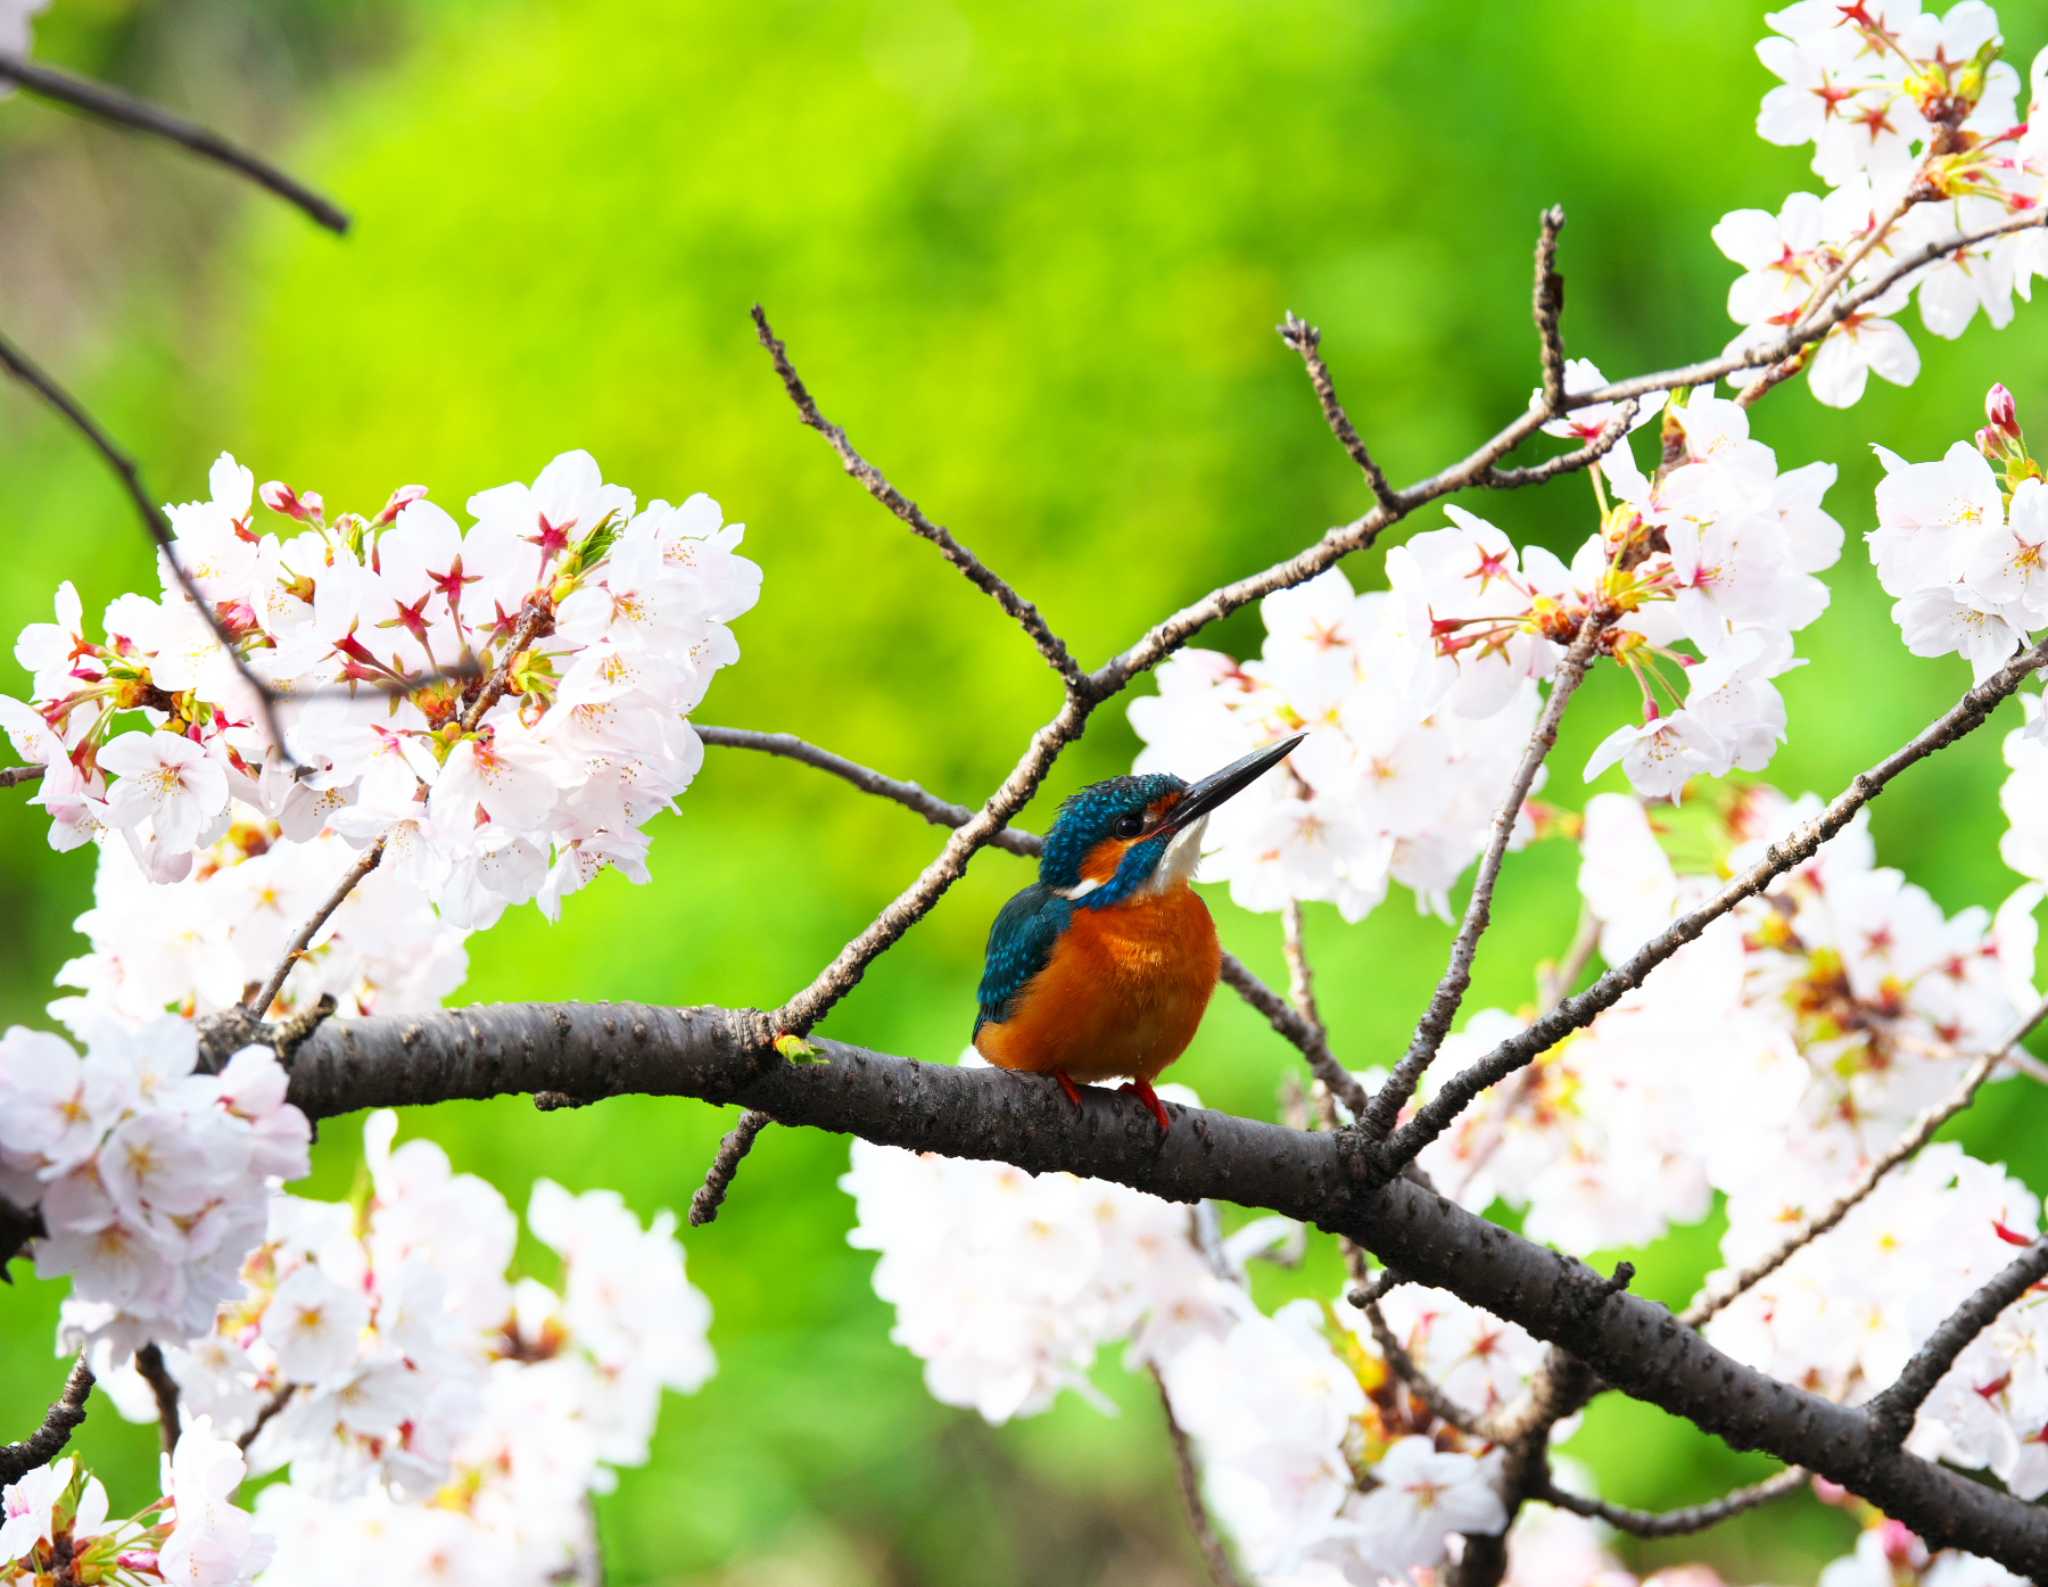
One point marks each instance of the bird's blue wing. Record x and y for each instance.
(1019, 946)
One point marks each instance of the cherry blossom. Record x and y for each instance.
(388, 625)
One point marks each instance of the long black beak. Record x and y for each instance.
(1213, 789)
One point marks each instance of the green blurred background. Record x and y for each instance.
(1031, 257)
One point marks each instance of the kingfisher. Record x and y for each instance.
(1104, 965)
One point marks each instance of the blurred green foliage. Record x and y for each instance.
(1031, 257)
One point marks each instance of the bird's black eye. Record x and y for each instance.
(1129, 826)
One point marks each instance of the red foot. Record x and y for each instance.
(1142, 1089)
(1067, 1085)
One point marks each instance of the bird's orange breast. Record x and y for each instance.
(1122, 994)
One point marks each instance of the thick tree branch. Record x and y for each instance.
(1444, 1003)
(1306, 340)
(47, 1441)
(1722, 1290)
(977, 572)
(1676, 1523)
(123, 110)
(1574, 1013)
(1892, 1411)
(714, 1054)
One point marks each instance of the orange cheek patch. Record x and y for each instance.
(1104, 858)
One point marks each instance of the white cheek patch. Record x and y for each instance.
(1177, 865)
(1079, 889)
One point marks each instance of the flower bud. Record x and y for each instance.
(401, 498)
(2001, 410)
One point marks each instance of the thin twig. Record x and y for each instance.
(149, 1361)
(1722, 1291)
(1419, 1383)
(1339, 1081)
(1214, 1554)
(732, 1151)
(1576, 1012)
(977, 572)
(32, 375)
(124, 110)
(1893, 1410)
(1610, 436)
(1444, 1003)
(1306, 340)
(266, 1415)
(940, 812)
(47, 1441)
(12, 776)
(1676, 1523)
(1549, 310)
(364, 863)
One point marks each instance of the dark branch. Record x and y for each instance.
(110, 104)
(732, 1151)
(265, 1416)
(149, 1361)
(10, 776)
(977, 572)
(1676, 1523)
(1636, 1346)
(1222, 1573)
(1575, 1013)
(46, 1442)
(1892, 1412)
(1566, 462)
(1549, 310)
(1306, 340)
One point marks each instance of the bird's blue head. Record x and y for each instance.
(1114, 839)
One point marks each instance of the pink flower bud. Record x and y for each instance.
(401, 498)
(2001, 410)
(1900, 1545)
(279, 497)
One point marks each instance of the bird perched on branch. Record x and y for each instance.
(1103, 966)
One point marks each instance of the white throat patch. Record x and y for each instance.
(1177, 865)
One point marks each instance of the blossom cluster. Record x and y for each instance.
(1915, 128)
(57, 1525)
(1321, 1463)
(1845, 1314)
(1793, 1042)
(501, 708)
(1417, 701)
(151, 1176)
(431, 1410)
